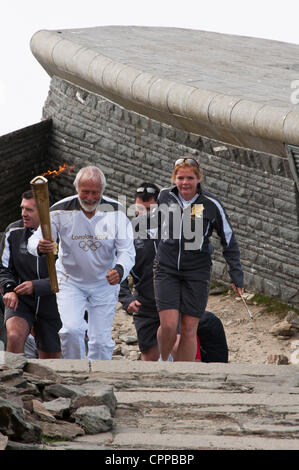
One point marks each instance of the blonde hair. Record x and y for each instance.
(196, 169)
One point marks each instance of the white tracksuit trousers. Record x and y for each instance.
(100, 301)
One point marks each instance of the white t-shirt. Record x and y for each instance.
(89, 247)
(187, 203)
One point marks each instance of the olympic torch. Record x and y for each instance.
(39, 186)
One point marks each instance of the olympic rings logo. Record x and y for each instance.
(89, 245)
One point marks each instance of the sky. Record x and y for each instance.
(24, 83)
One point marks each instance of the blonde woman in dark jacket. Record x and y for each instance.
(183, 263)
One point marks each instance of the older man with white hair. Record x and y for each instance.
(96, 252)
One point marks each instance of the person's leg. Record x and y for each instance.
(187, 347)
(50, 355)
(146, 323)
(194, 296)
(167, 288)
(175, 346)
(101, 311)
(71, 302)
(2, 326)
(17, 330)
(167, 332)
(151, 354)
(45, 331)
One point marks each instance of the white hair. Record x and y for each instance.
(91, 173)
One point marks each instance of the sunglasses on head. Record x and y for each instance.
(146, 190)
(188, 160)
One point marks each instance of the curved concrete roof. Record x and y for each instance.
(231, 88)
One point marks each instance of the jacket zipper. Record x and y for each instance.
(180, 239)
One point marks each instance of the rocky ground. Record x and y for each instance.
(271, 337)
(124, 405)
(37, 405)
(127, 404)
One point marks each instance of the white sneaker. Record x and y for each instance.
(170, 358)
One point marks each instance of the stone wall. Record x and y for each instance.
(23, 154)
(257, 189)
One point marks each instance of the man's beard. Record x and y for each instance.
(88, 207)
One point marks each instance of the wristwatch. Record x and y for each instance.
(8, 287)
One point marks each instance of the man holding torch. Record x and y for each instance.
(96, 252)
(25, 286)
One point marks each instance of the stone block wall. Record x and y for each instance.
(82, 128)
(257, 189)
(23, 155)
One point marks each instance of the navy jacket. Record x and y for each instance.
(17, 266)
(145, 242)
(185, 244)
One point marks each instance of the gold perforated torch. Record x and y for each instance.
(39, 186)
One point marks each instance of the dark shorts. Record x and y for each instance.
(45, 327)
(175, 290)
(146, 324)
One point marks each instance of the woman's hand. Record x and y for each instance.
(238, 290)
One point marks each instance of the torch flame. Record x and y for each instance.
(55, 173)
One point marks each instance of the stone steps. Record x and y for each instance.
(194, 406)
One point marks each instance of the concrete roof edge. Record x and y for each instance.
(78, 64)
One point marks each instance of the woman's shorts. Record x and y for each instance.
(175, 290)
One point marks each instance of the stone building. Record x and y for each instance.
(133, 99)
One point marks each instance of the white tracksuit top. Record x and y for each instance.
(89, 247)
